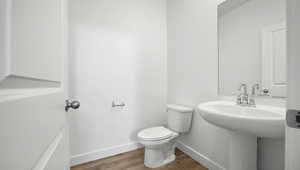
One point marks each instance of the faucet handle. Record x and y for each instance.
(243, 87)
(254, 88)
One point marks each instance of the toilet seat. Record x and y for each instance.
(156, 134)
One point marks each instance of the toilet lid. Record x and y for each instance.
(155, 133)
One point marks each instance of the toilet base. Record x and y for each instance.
(157, 157)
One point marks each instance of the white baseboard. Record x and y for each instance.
(203, 160)
(103, 153)
(111, 151)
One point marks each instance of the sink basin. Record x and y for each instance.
(262, 121)
(245, 124)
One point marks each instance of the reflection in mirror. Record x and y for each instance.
(252, 46)
(30, 44)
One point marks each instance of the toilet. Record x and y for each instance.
(160, 141)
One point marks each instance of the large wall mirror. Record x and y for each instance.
(31, 43)
(252, 46)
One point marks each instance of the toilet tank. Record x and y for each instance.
(179, 118)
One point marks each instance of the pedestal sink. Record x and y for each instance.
(245, 125)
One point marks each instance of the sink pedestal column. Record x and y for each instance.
(243, 152)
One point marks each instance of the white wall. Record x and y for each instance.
(240, 41)
(117, 52)
(3, 35)
(193, 71)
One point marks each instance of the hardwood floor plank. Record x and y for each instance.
(134, 160)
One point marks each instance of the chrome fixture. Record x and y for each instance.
(255, 87)
(265, 92)
(254, 93)
(117, 105)
(243, 98)
(72, 104)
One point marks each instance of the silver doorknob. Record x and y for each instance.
(72, 104)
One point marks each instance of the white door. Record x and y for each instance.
(33, 121)
(293, 38)
(274, 60)
(33, 133)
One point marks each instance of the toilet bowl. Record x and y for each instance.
(160, 141)
(159, 145)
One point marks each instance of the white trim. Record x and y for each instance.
(103, 153)
(18, 94)
(65, 48)
(203, 160)
(43, 161)
(8, 38)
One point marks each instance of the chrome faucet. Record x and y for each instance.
(255, 87)
(244, 99)
(254, 90)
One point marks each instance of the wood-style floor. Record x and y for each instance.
(134, 161)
